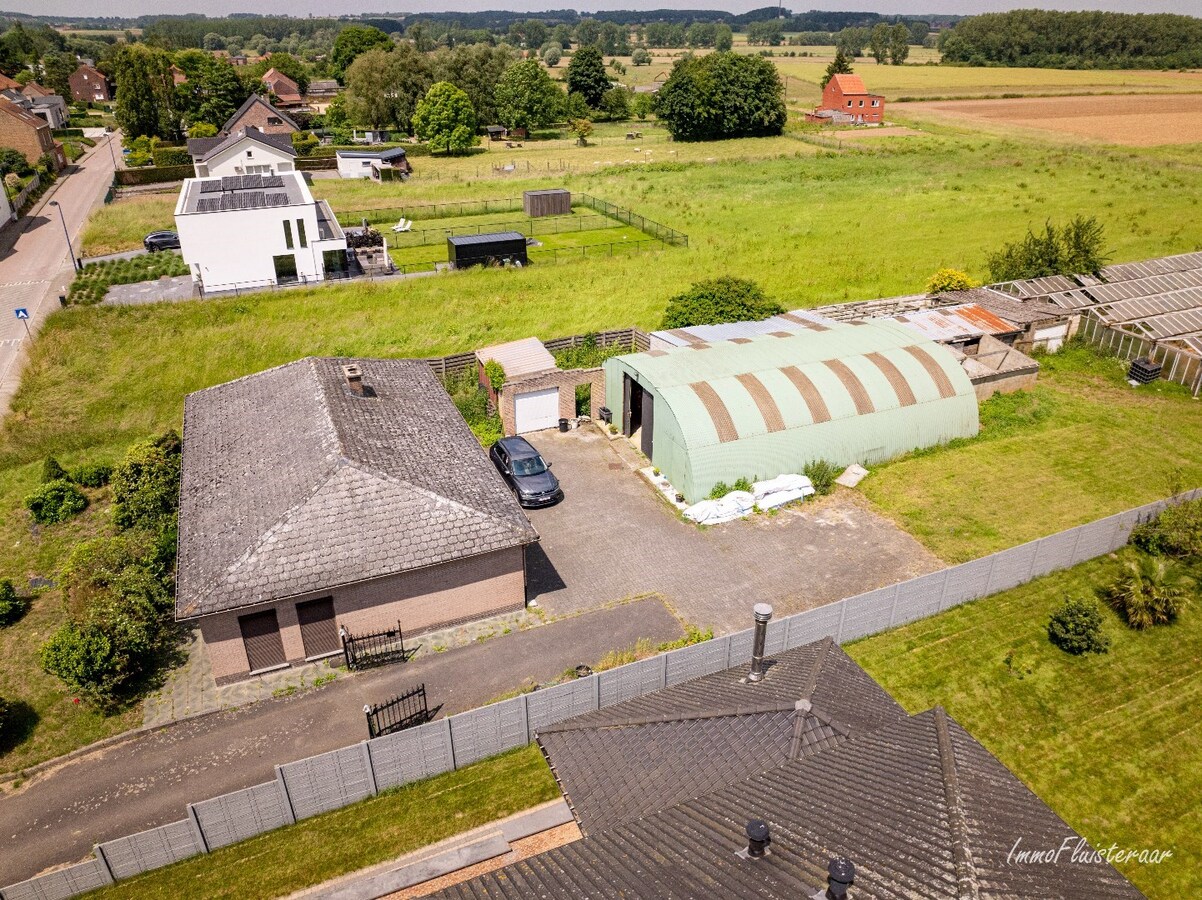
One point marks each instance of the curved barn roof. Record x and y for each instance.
(739, 389)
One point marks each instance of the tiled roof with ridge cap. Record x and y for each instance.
(291, 484)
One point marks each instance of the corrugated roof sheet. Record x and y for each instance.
(950, 323)
(1037, 287)
(797, 320)
(1145, 268)
(808, 378)
(518, 358)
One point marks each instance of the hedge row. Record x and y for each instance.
(153, 175)
(165, 157)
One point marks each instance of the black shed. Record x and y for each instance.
(487, 249)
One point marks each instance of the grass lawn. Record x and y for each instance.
(1111, 742)
(1083, 444)
(121, 225)
(345, 840)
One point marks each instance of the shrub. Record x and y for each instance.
(1075, 248)
(55, 501)
(1177, 531)
(146, 483)
(495, 373)
(720, 490)
(52, 471)
(171, 156)
(743, 484)
(304, 143)
(640, 57)
(92, 475)
(822, 475)
(1150, 591)
(11, 606)
(720, 300)
(202, 130)
(487, 432)
(950, 280)
(1076, 627)
(364, 238)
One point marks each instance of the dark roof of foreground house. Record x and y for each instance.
(918, 806)
(293, 483)
(204, 149)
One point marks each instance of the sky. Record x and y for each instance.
(340, 7)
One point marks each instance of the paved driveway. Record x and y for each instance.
(614, 537)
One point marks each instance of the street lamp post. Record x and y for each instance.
(66, 234)
(112, 152)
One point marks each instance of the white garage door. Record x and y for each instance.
(536, 410)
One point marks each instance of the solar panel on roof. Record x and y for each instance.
(210, 187)
(272, 181)
(208, 204)
(276, 199)
(231, 182)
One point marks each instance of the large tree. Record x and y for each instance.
(475, 69)
(722, 95)
(840, 65)
(146, 100)
(446, 119)
(352, 42)
(586, 75)
(384, 86)
(57, 69)
(879, 41)
(899, 44)
(216, 93)
(527, 97)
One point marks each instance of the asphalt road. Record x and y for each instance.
(148, 780)
(37, 268)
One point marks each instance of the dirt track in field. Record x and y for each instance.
(1133, 120)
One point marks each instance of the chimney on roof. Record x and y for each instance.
(354, 379)
(758, 838)
(763, 613)
(840, 875)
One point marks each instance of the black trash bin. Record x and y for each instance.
(563, 424)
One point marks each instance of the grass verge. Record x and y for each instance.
(345, 840)
(1111, 742)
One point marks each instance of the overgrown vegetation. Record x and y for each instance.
(1150, 590)
(55, 501)
(1176, 532)
(946, 280)
(720, 300)
(1076, 627)
(472, 402)
(822, 475)
(588, 354)
(91, 284)
(1077, 248)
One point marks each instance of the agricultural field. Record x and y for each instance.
(1110, 742)
(1138, 121)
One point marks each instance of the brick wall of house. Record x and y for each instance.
(421, 601)
(861, 106)
(261, 117)
(88, 85)
(31, 140)
(564, 379)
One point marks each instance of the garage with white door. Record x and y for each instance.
(536, 410)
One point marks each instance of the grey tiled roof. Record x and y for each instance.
(291, 484)
(919, 806)
(204, 149)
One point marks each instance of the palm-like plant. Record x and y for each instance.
(1150, 591)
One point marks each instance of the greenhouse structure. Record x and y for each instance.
(758, 407)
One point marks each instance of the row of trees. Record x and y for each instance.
(1101, 40)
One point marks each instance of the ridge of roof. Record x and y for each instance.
(966, 871)
(247, 104)
(755, 709)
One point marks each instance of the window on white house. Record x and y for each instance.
(249, 154)
(300, 232)
(287, 234)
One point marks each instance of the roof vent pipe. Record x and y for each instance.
(763, 613)
(354, 379)
(758, 838)
(840, 873)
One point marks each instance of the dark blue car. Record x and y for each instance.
(526, 472)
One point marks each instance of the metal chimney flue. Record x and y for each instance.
(763, 614)
(840, 873)
(758, 838)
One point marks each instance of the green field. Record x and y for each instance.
(1110, 742)
(373, 831)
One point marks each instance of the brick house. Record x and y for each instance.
(258, 113)
(29, 134)
(536, 393)
(89, 86)
(287, 92)
(845, 101)
(337, 493)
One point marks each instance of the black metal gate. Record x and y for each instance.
(406, 711)
(362, 651)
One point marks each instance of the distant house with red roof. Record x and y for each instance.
(287, 92)
(846, 101)
(89, 86)
(9, 84)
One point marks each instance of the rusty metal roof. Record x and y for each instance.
(952, 323)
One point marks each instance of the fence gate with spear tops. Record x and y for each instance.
(408, 710)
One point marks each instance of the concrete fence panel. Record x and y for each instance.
(328, 781)
(555, 704)
(868, 613)
(692, 662)
(1055, 552)
(242, 814)
(489, 730)
(59, 885)
(412, 754)
(1097, 538)
(967, 581)
(918, 598)
(815, 624)
(151, 849)
(633, 680)
(1012, 567)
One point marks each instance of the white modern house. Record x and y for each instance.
(368, 163)
(241, 232)
(247, 151)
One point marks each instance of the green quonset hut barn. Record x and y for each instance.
(763, 406)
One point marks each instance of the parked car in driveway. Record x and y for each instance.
(527, 473)
(161, 240)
